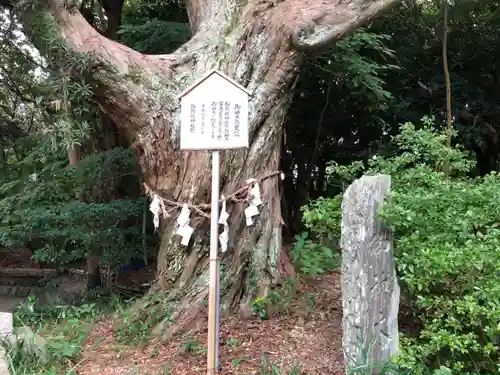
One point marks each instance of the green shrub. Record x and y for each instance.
(311, 258)
(62, 329)
(448, 256)
(39, 206)
(322, 218)
(448, 250)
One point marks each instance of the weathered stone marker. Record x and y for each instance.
(6, 327)
(370, 290)
(33, 344)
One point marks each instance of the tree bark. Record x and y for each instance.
(320, 178)
(93, 259)
(262, 45)
(73, 156)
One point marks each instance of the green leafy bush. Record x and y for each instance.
(311, 258)
(314, 252)
(61, 332)
(39, 206)
(448, 251)
(322, 218)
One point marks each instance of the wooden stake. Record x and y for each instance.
(213, 297)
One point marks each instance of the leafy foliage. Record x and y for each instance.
(447, 245)
(313, 259)
(64, 328)
(322, 218)
(39, 208)
(155, 36)
(154, 28)
(339, 93)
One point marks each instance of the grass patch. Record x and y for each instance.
(50, 338)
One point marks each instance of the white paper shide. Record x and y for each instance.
(224, 236)
(254, 202)
(184, 230)
(157, 207)
(214, 114)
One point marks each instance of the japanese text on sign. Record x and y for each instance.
(227, 107)
(224, 120)
(214, 114)
(219, 123)
(237, 112)
(219, 120)
(213, 120)
(202, 122)
(192, 119)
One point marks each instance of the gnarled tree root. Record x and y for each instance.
(185, 309)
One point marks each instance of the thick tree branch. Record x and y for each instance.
(201, 11)
(84, 38)
(315, 24)
(311, 24)
(252, 41)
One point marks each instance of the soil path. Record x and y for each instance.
(310, 337)
(9, 304)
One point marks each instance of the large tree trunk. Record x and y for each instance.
(260, 43)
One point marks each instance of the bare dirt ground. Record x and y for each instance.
(309, 336)
(9, 304)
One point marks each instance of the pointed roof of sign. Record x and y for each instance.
(204, 78)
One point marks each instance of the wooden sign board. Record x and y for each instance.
(214, 114)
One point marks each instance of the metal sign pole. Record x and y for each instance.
(213, 297)
(197, 110)
(217, 315)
